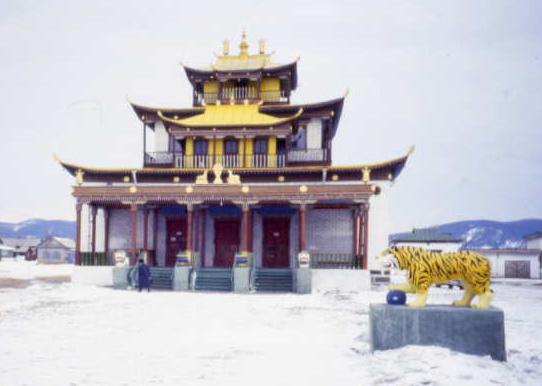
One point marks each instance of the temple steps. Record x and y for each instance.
(162, 277)
(273, 280)
(213, 279)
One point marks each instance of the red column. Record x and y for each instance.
(365, 235)
(133, 223)
(356, 232)
(106, 231)
(302, 222)
(78, 234)
(94, 212)
(247, 229)
(154, 233)
(189, 217)
(145, 229)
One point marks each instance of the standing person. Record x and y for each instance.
(144, 274)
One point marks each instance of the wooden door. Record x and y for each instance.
(227, 241)
(276, 242)
(176, 239)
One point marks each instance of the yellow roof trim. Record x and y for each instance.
(230, 115)
(189, 109)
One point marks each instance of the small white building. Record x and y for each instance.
(517, 263)
(534, 240)
(6, 251)
(428, 238)
(56, 250)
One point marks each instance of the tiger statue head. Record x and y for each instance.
(392, 257)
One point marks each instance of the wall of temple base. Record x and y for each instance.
(379, 225)
(341, 279)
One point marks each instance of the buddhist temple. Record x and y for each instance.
(241, 175)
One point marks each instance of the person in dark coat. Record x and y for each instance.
(144, 276)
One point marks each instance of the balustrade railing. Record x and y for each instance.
(335, 261)
(160, 158)
(307, 155)
(239, 94)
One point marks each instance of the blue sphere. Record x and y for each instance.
(396, 297)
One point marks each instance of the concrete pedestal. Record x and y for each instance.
(302, 280)
(241, 279)
(181, 278)
(120, 277)
(467, 330)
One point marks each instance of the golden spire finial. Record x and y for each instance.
(243, 46)
(261, 44)
(226, 47)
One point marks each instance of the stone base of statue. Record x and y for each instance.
(467, 330)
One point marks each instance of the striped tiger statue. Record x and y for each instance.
(426, 267)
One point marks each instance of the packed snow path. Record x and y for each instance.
(57, 333)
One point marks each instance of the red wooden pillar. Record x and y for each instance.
(364, 234)
(356, 238)
(106, 231)
(94, 211)
(189, 217)
(154, 235)
(78, 234)
(247, 229)
(302, 226)
(133, 226)
(145, 229)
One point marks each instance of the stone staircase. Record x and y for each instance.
(213, 279)
(273, 280)
(162, 277)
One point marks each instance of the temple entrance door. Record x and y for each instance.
(176, 239)
(276, 242)
(227, 241)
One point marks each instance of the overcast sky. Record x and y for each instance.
(462, 80)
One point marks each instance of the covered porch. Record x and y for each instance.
(212, 231)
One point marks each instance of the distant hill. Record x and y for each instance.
(492, 234)
(38, 228)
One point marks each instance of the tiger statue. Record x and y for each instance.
(426, 267)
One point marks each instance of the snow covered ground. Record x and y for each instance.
(53, 332)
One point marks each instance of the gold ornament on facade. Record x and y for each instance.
(233, 179)
(281, 178)
(79, 177)
(303, 188)
(176, 179)
(226, 47)
(335, 177)
(189, 189)
(126, 179)
(245, 189)
(202, 179)
(133, 189)
(217, 170)
(366, 177)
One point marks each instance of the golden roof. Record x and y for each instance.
(230, 115)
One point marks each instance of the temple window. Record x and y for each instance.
(200, 147)
(299, 139)
(260, 146)
(231, 146)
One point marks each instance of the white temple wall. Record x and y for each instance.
(120, 229)
(161, 137)
(379, 224)
(314, 134)
(85, 228)
(330, 231)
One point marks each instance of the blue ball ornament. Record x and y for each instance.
(396, 298)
